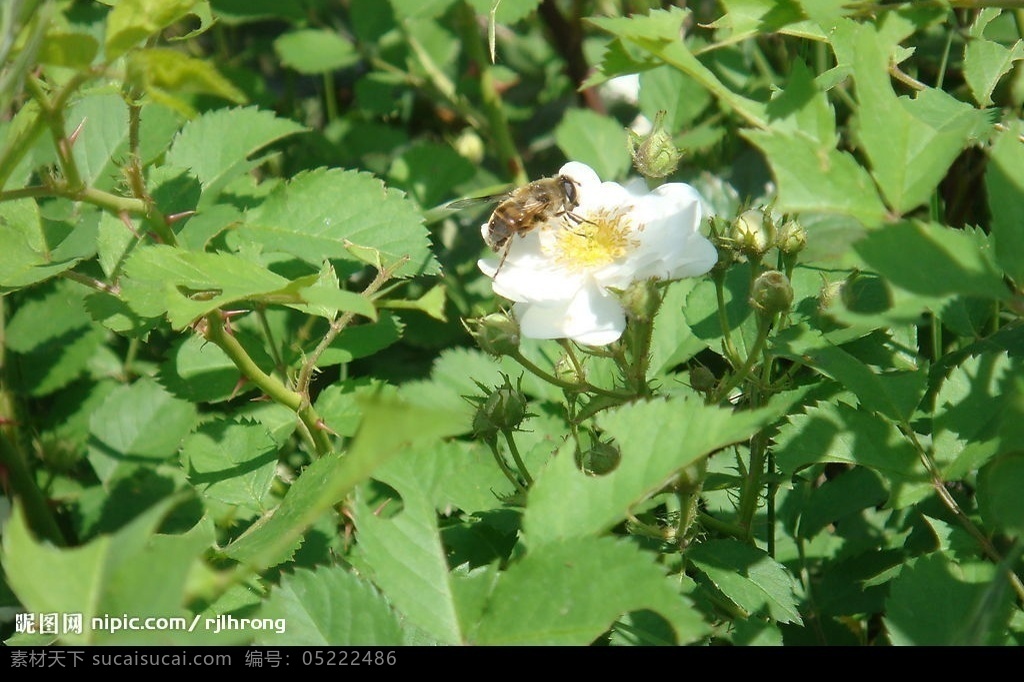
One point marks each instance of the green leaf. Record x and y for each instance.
(186, 285)
(137, 424)
(656, 440)
(848, 493)
(670, 90)
(999, 496)
(232, 462)
(110, 576)
(217, 145)
(132, 21)
(509, 11)
(428, 171)
(934, 602)
(404, 556)
(749, 577)
(406, 9)
(568, 593)
(314, 51)
(947, 261)
(164, 73)
(985, 62)
(745, 18)
(911, 142)
(840, 433)
(818, 178)
(1004, 184)
(598, 141)
(317, 213)
(242, 11)
(363, 340)
(200, 371)
(72, 50)
(673, 342)
(329, 606)
(388, 428)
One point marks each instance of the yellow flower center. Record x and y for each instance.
(593, 240)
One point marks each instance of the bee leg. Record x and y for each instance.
(504, 254)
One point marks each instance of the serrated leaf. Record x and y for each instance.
(598, 141)
(509, 11)
(137, 423)
(318, 212)
(313, 51)
(656, 440)
(388, 427)
(985, 62)
(933, 602)
(200, 371)
(839, 433)
(749, 577)
(818, 179)
(112, 574)
(72, 50)
(185, 285)
(232, 462)
(132, 21)
(329, 606)
(568, 593)
(404, 556)
(911, 142)
(667, 89)
(1004, 185)
(217, 145)
(164, 73)
(999, 496)
(673, 342)
(850, 492)
(745, 18)
(948, 261)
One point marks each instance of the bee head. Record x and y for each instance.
(569, 189)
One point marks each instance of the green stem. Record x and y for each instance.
(939, 484)
(261, 315)
(330, 101)
(720, 526)
(500, 131)
(763, 327)
(723, 320)
(509, 474)
(272, 386)
(12, 458)
(54, 118)
(750, 491)
(516, 456)
(561, 383)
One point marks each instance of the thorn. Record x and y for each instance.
(320, 424)
(127, 220)
(242, 381)
(378, 510)
(175, 217)
(261, 398)
(74, 135)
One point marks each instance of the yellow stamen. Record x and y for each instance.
(599, 239)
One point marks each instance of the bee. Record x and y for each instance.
(526, 208)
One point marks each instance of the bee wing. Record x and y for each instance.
(470, 202)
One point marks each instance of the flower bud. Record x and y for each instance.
(771, 293)
(753, 232)
(828, 293)
(469, 146)
(641, 299)
(792, 237)
(497, 333)
(654, 155)
(600, 459)
(702, 379)
(502, 409)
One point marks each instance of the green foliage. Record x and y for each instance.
(239, 299)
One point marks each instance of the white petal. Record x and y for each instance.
(593, 317)
(580, 173)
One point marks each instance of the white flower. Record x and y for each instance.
(560, 273)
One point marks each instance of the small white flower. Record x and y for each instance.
(559, 274)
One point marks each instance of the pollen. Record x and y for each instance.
(591, 241)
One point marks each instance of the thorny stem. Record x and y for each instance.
(552, 379)
(730, 350)
(54, 118)
(947, 499)
(338, 324)
(509, 474)
(763, 327)
(272, 386)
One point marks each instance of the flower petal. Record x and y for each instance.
(592, 317)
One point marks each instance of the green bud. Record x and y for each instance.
(497, 333)
(828, 293)
(502, 409)
(771, 293)
(753, 232)
(702, 379)
(469, 146)
(641, 299)
(654, 155)
(792, 237)
(600, 459)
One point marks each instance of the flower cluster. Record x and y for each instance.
(563, 275)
